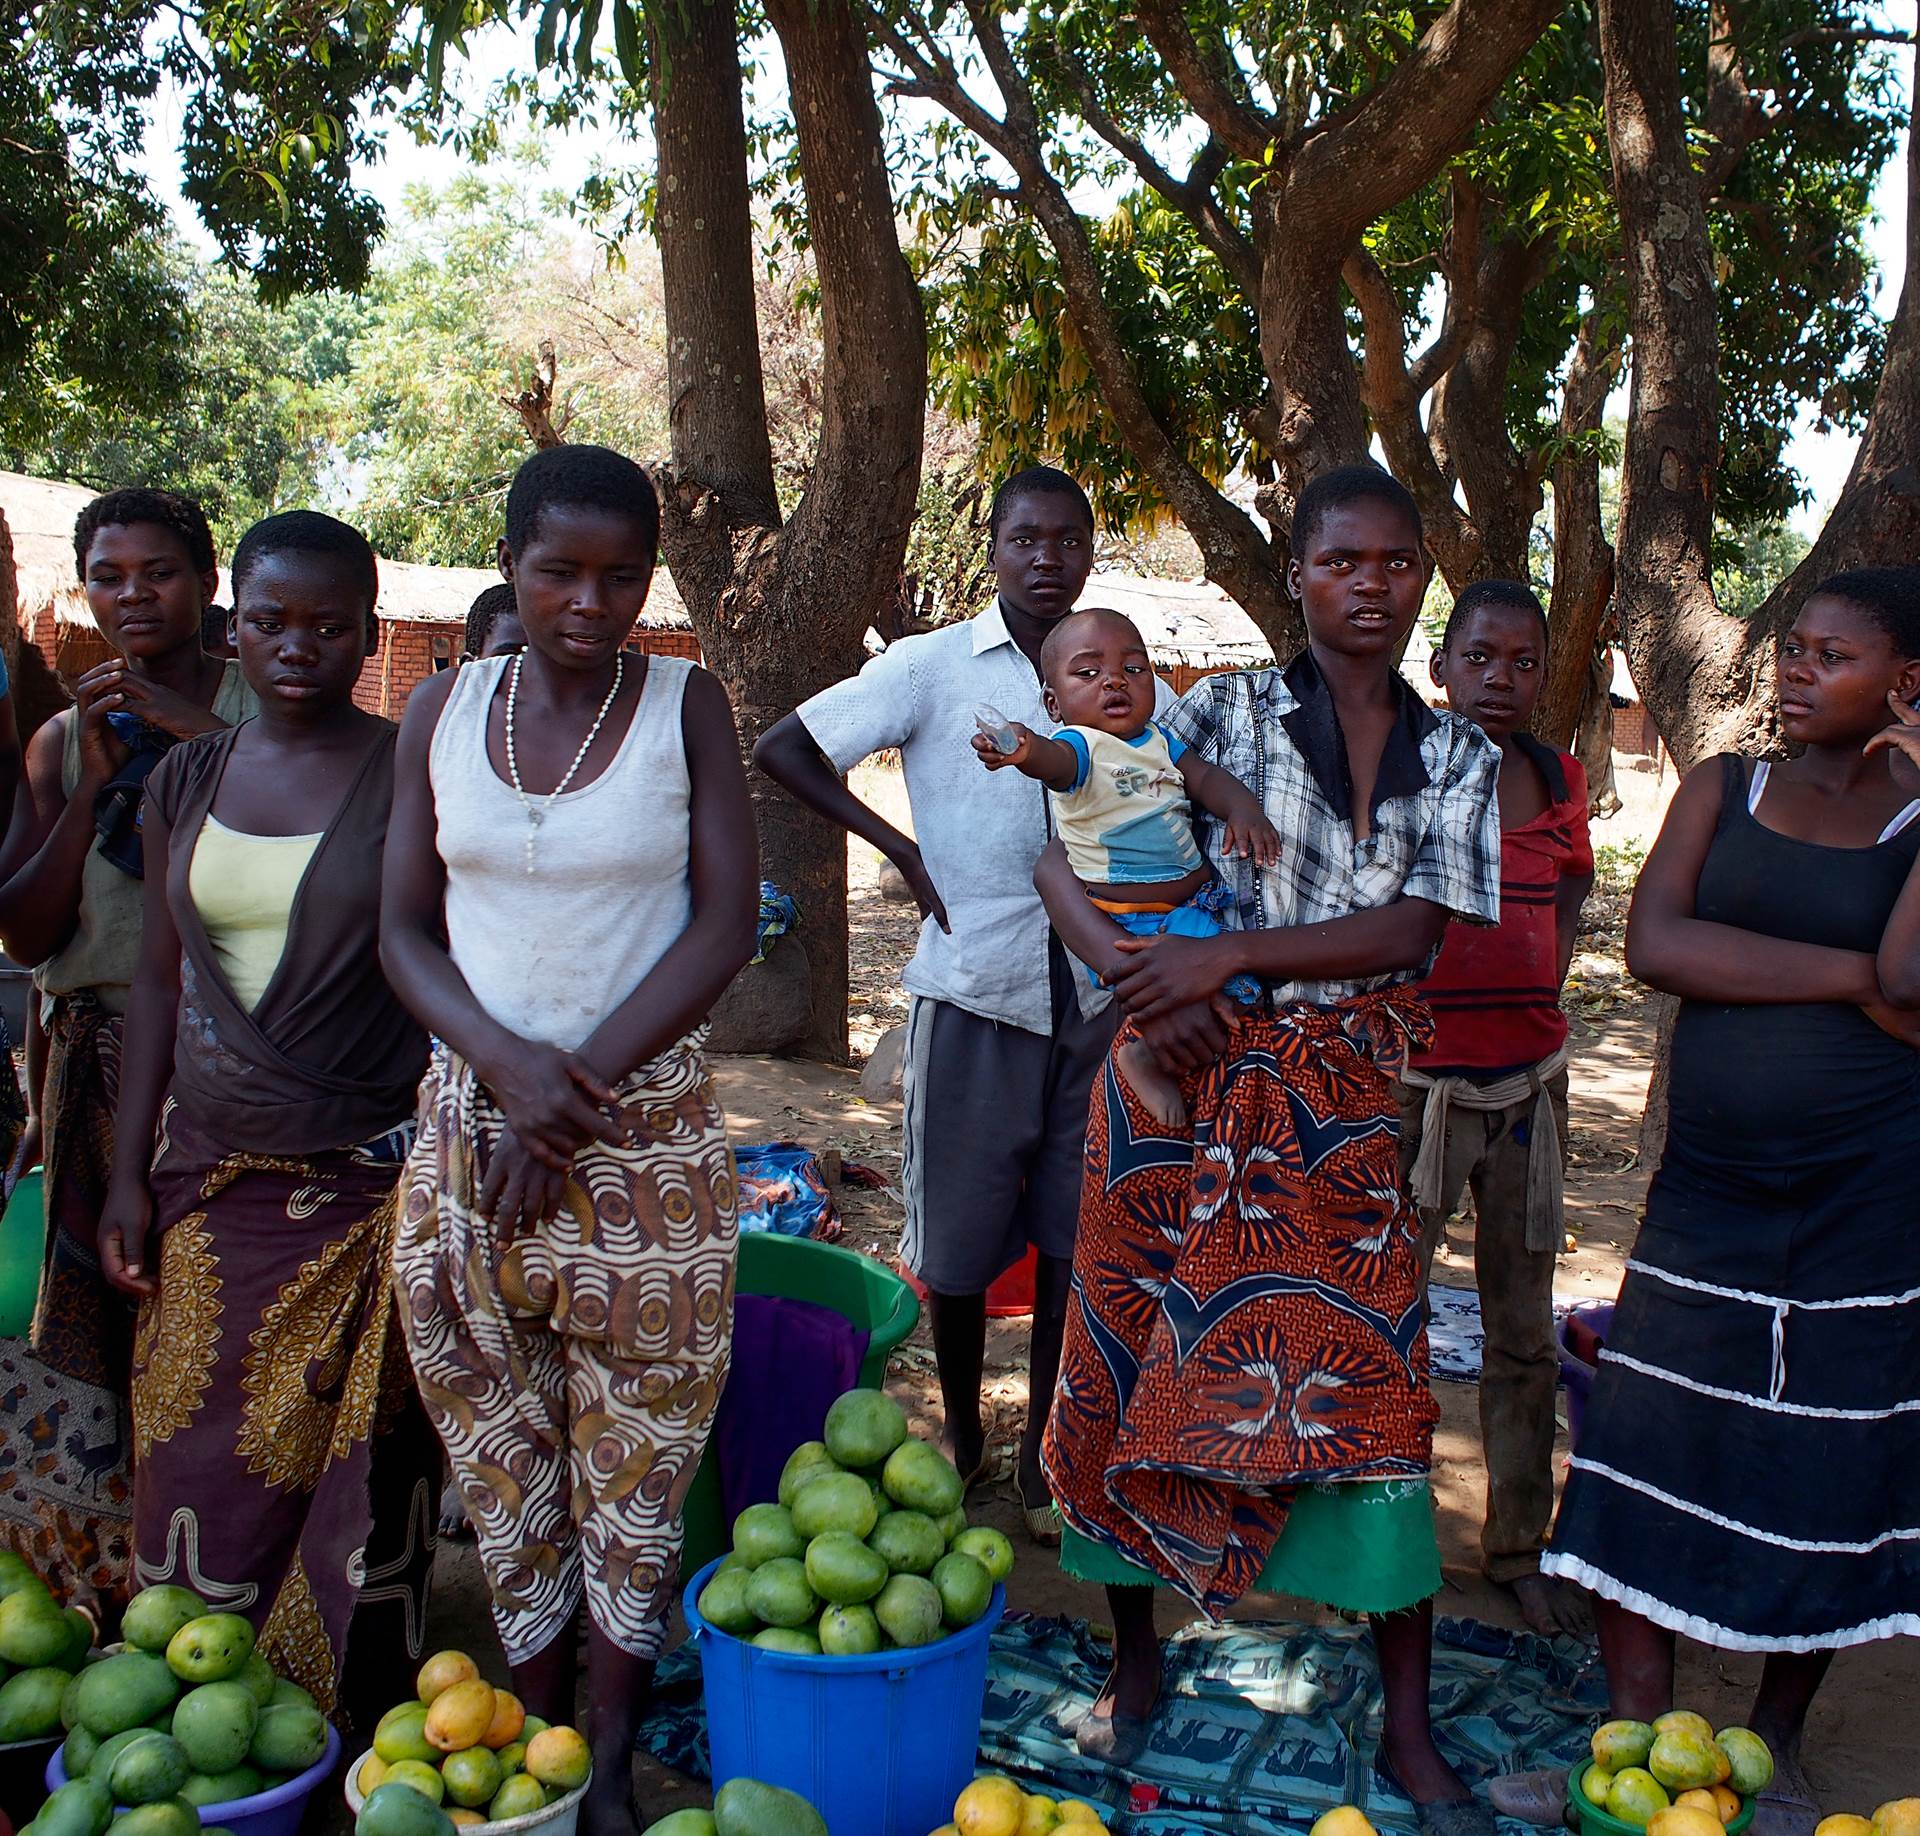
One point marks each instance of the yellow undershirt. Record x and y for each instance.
(243, 887)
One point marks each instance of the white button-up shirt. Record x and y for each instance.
(980, 832)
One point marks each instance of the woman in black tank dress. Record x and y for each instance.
(1749, 1470)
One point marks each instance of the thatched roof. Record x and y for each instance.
(40, 513)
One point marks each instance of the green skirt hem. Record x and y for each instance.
(1367, 1546)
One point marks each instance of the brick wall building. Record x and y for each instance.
(422, 610)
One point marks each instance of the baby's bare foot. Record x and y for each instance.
(1150, 1081)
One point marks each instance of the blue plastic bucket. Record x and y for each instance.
(879, 1746)
(266, 1813)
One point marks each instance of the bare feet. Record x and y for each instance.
(1787, 1807)
(1150, 1081)
(608, 1808)
(454, 1524)
(1418, 1768)
(968, 1452)
(1552, 1608)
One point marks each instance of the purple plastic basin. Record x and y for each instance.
(266, 1813)
(1579, 1374)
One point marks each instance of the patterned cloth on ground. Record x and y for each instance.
(1262, 1725)
(1246, 1312)
(285, 1469)
(1456, 1335)
(66, 1479)
(573, 1370)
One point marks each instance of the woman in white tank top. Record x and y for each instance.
(571, 882)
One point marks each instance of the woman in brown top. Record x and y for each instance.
(283, 1468)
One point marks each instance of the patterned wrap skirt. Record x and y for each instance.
(66, 1474)
(573, 1368)
(284, 1467)
(1247, 1315)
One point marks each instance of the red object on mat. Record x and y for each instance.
(1009, 1298)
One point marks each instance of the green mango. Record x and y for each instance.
(215, 1724)
(203, 1788)
(30, 1704)
(399, 1810)
(148, 1770)
(685, 1823)
(100, 1767)
(167, 1817)
(123, 1691)
(288, 1738)
(77, 1754)
(155, 1614)
(81, 1807)
(745, 1807)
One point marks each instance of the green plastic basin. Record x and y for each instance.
(23, 1242)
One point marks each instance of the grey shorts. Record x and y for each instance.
(996, 1135)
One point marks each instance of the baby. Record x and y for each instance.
(1123, 796)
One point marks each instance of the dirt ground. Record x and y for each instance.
(1864, 1735)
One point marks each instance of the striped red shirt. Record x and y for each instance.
(1495, 989)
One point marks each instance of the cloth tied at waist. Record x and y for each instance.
(1544, 1175)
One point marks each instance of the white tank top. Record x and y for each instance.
(551, 954)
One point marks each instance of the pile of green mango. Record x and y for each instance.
(867, 1548)
(42, 1646)
(186, 1714)
(745, 1807)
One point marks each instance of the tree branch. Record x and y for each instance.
(1193, 196)
(1357, 164)
(1845, 35)
(1394, 405)
(1204, 75)
(534, 404)
(1462, 267)
(1237, 553)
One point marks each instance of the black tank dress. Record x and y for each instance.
(1748, 1471)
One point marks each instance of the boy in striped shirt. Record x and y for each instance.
(1486, 1106)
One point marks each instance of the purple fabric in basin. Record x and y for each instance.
(791, 1358)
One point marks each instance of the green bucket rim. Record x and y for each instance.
(1594, 1820)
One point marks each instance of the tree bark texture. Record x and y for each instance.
(1582, 556)
(780, 606)
(1707, 677)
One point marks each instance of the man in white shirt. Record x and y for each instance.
(1000, 1054)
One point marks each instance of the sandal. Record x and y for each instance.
(1118, 1740)
(1043, 1523)
(1449, 1817)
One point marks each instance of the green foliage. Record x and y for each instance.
(1750, 560)
(470, 285)
(430, 447)
(90, 314)
(1006, 355)
(243, 430)
(1788, 229)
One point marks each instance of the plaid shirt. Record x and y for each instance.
(1435, 827)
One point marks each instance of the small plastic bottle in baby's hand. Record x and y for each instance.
(1123, 792)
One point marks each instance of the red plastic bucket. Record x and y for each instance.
(1009, 1298)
